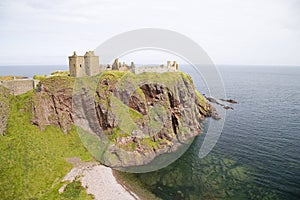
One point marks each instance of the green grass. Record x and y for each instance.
(60, 73)
(56, 83)
(39, 77)
(122, 113)
(33, 162)
(74, 190)
(148, 142)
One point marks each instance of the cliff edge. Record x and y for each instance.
(141, 116)
(4, 108)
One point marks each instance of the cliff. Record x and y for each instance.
(52, 103)
(142, 116)
(4, 108)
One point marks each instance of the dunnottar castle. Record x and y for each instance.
(88, 65)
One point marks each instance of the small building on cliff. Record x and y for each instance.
(88, 65)
(19, 86)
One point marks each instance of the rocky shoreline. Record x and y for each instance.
(98, 180)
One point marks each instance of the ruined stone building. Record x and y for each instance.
(19, 86)
(88, 65)
(158, 69)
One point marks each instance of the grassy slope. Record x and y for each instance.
(32, 162)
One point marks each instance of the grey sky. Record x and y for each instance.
(230, 31)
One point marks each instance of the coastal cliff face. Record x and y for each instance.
(141, 116)
(4, 108)
(52, 103)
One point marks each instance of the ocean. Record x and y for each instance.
(258, 153)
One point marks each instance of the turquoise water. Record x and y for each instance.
(258, 153)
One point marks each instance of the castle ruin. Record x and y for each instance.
(19, 86)
(88, 65)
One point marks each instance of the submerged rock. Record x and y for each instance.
(229, 101)
(215, 101)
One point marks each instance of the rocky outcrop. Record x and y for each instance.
(230, 101)
(4, 108)
(52, 103)
(138, 116)
(215, 101)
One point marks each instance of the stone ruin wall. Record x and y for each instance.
(157, 69)
(17, 87)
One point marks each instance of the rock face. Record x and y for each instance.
(138, 116)
(52, 103)
(4, 108)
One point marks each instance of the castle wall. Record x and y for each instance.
(88, 65)
(19, 86)
(77, 66)
(92, 65)
(156, 69)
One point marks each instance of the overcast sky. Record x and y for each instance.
(230, 31)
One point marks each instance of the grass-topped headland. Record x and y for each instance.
(141, 114)
(33, 162)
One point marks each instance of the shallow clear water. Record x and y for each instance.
(258, 153)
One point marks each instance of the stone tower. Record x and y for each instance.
(76, 65)
(116, 64)
(87, 65)
(91, 63)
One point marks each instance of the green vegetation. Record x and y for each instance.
(33, 162)
(74, 190)
(64, 82)
(168, 78)
(115, 75)
(128, 118)
(117, 133)
(39, 77)
(8, 78)
(56, 73)
(135, 116)
(122, 113)
(154, 113)
(202, 101)
(93, 143)
(149, 143)
(60, 73)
